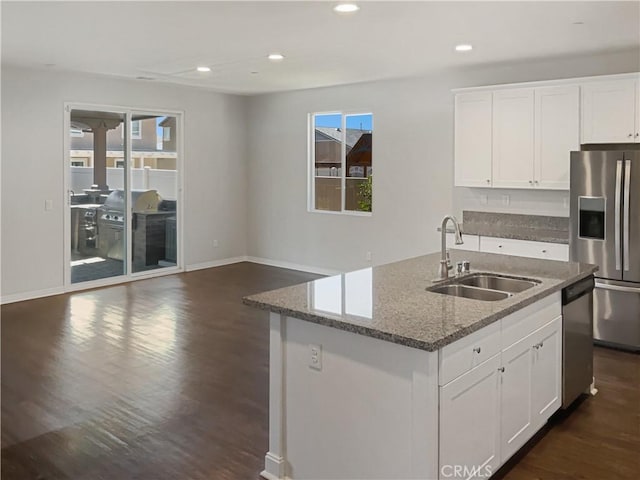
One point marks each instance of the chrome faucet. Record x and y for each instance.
(445, 261)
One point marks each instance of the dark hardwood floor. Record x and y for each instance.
(168, 379)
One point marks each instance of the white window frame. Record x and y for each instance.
(311, 162)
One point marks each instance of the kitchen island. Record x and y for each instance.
(374, 376)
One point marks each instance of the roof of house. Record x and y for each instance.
(352, 134)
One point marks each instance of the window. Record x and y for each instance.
(166, 133)
(341, 162)
(78, 162)
(136, 130)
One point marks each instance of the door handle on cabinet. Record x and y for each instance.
(477, 350)
(501, 369)
(630, 135)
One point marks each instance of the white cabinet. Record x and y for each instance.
(513, 135)
(546, 375)
(470, 421)
(610, 112)
(557, 132)
(525, 248)
(515, 398)
(473, 139)
(489, 410)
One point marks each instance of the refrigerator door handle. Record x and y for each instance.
(617, 288)
(617, 212)
(625, 226)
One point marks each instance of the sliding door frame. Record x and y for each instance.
(180, 167)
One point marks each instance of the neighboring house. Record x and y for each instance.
(328, 152)
(168, 134)
(144, 146)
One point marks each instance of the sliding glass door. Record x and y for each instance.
(123, 187)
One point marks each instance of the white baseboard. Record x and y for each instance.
(273, 467)
(293, 266)
(215, 263)
(20, 297)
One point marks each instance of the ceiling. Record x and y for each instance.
(165, 41)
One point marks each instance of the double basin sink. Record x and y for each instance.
(488, 287)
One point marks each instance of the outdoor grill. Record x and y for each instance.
(111, 218)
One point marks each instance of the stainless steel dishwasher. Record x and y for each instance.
(577, 339)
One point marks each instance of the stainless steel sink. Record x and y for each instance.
(498, 282)
(474, 293)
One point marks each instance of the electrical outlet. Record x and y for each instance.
(215, 244)
(315, 356)
(565, 202)
(484, 199)
(505, 200)
(367, 256)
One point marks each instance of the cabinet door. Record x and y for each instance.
(473, 139)
(515, 403)
(557, 132)
(470, 422)
(546, 372)
(513, 127)
(608, 112)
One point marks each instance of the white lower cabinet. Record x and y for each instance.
(525, 248)
(488, 413)
(515, 397)
(470, 423)
(546, 396)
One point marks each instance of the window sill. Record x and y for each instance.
(350, 213)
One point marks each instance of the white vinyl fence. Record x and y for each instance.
(164, 181)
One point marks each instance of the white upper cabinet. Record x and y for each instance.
(610, 112)
(513, 138)
(557, 132)
(473, 139)
(521, 137)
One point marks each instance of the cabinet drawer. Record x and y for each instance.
(526, 321)
(462, 355)
(525, 248)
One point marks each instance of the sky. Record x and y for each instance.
(362, 122)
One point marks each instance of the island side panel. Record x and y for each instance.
(371, 411)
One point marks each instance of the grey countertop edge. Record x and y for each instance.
(411, 342)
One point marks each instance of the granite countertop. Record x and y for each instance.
(390, 302)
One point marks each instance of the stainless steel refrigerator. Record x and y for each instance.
(605, 230)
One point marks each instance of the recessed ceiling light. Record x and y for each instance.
(346, 8)
(464, 48)
(275, 57)
(578, 23)
(203, 69)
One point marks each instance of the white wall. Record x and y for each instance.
(413, 164)
(33, 168)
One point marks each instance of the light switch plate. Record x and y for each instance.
(48, 205)
(505, 200)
